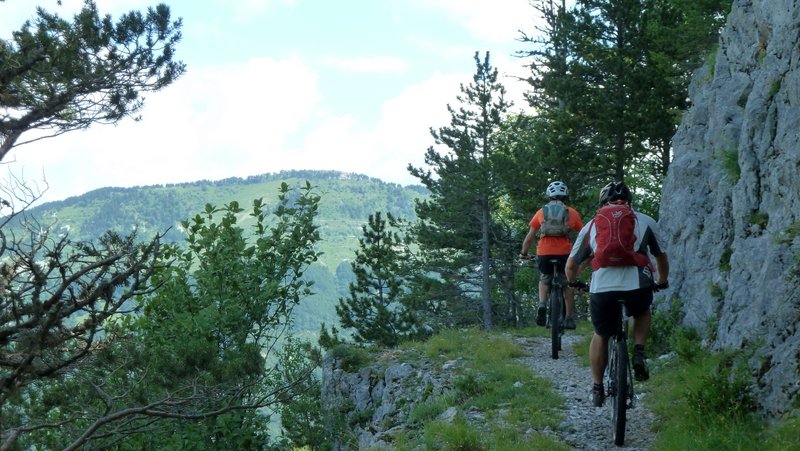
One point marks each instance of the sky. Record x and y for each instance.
(272, 85)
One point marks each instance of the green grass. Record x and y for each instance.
(704, 403)
(513, 401)
(760, 219)
(715, 290)
(725, 259)
(701, 398)
(351, 357)
(729, 159)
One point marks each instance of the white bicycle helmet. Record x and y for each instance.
(557, 189)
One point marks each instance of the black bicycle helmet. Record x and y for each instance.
(615, 191)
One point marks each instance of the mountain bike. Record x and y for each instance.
(619, 373)
(557, 308)
(619, 377)
(556, 305)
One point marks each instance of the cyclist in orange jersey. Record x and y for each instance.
(553, 224)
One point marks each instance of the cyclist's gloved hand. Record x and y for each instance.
(660, 286)
(525, 257)
(579, 284)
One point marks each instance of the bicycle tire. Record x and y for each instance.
(620, 400)
(556, 305)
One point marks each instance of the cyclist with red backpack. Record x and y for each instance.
(553, 221)
(618, 240)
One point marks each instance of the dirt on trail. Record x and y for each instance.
(585, 427)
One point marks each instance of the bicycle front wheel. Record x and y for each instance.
(556, 303)
(619, 398)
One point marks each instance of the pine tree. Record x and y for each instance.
(455, 223)
(376, 306)
(57, 76)
(613, 75)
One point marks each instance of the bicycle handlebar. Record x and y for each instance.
(579, 285)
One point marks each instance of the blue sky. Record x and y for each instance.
(271, 85)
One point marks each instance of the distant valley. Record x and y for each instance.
(346, 202)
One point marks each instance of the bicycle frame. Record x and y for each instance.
(557, 308)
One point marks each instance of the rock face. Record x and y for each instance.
(731, 201)
(368, 406)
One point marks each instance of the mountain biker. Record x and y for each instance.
(634, 284)
(555, 244)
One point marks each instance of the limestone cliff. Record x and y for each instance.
(731, 201)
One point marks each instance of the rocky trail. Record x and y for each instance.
(585, 427)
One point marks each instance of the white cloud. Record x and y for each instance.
(210, 124)
(495, 21)
(237, 120)
(266, 115)
(367, 65)
(246, 10)
(402, 135)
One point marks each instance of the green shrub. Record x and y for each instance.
(759, 219)
(775, 87)
(468, 386)
(725, 392)
(789, 235)
(457, 435)
(711, 62)
(730, 164)
(685, 342)
(712, 326)
(351, 357)
(666, 318)
(725, 259)
(430, 409)
(715, 290)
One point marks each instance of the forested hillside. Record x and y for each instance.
(346, 202)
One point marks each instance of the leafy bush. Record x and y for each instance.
(725, 392)
(685, 342)
(469, 386)
(351, 358)
(665, 319)
(725, 259)
(715, 290)
(760, 219)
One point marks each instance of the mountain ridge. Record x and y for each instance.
(347, 199)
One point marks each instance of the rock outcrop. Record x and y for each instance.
(731, 201)
(373, 403)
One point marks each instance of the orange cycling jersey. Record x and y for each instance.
(556, 245)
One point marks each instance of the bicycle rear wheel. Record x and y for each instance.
(556, 304)
(619, 397)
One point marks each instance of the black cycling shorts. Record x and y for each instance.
(545, 267)
(605, 308)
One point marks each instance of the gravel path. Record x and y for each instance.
(586, 427)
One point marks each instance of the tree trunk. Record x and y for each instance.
(619, 156)
(486, 300)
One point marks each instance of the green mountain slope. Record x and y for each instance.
(347, 200)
